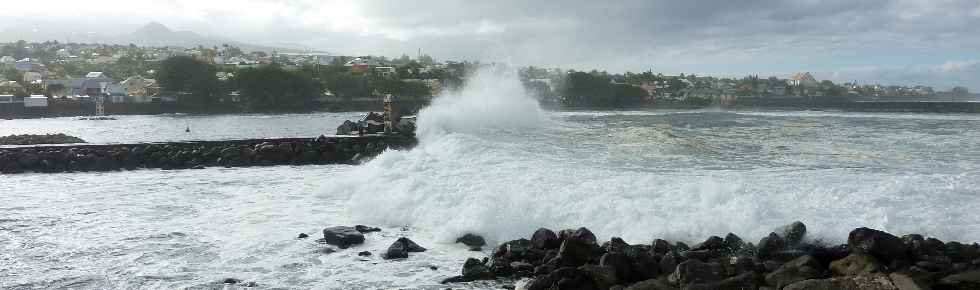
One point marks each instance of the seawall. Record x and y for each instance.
(196, 154)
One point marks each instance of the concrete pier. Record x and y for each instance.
(196, 154)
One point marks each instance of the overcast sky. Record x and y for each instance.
(934, 42)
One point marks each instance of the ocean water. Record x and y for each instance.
(489, 162)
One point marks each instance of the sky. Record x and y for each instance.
(931, 42)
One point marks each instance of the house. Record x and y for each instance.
(385, 71)
(139, 89)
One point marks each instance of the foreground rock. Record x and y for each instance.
(473, 241)
(784, 259)
(401, 247)
(29, 139)
(342, 237)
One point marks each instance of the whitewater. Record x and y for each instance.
(489, 162)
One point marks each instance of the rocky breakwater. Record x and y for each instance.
(199, 154)
(785, 259)
(32, 139)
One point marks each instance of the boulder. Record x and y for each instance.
(855, 264)
(883, 246)
(793, 233)
(651, 284)
(734, 242)
(863, 282)
(694, 271)
(620, 264)
(904, 282)
(475, 242)
(603, 277)
(740, 282)
(563, 278)
(366, 229)
(576, 251)
(347, 128)
(770, 245)
(545, 239)
(474, 269)
(401, 247)
(342, 237)
(660, 247)
(802, 268)
(712, 243)
(961, 281)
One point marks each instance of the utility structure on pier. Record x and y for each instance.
(387, 114)
(100, 99)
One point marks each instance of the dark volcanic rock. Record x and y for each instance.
(883, 246)
(865, 282)
(401, 247)
(545, 239)
(770, 245)
(793, 233)
(342, 237)
(694, 271)
(364, 254)
(302, 236)
(563, 278)
(740, 282)
(962, 281)
(802, 268)
(475, 242)
(29, 139)
(366, 229)
(855, 264)
(575, 251)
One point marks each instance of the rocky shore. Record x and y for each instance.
(785, 259)
(31, 139)
(345, 149)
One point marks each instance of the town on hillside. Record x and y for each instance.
(53, 78)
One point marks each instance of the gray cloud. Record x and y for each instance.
(711, 36)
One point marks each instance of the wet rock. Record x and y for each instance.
(642, 263)
(401, 247)
(302, 236)
(864, 282)
(855, 264)
(474, 242)
(883, 246)
(615, 244)
(962, 281)
(603, 277)
(770, 244)
(347, 128)
(366, 229)
(620, 265)
(522, 269)
(545, 239)
(474, 269)
(793, 233)
(904, 282)
(364, 254)
(734, 242)
(802, 268)
(660, 247)
(740, 282)
(712, 243)
(342, 237)
(694, 271)
(231, 281)
(651, 284)
(563, 278)
(576, 251)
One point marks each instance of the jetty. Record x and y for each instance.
(353, 143)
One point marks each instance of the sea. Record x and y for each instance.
(491, 162)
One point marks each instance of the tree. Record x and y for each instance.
(188, 76)
(272, 88)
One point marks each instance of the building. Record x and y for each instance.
(139, 89)
(385, 71)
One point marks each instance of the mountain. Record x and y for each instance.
(151, 34)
